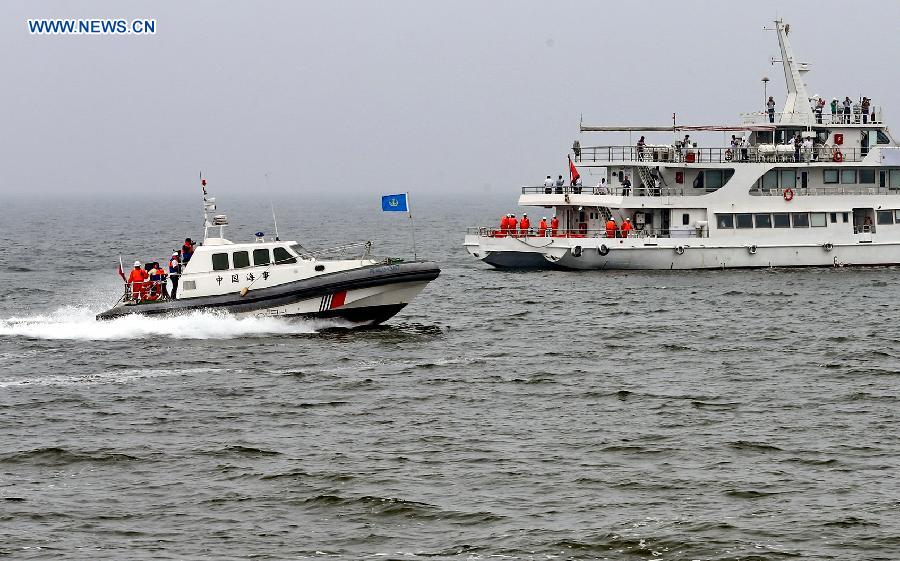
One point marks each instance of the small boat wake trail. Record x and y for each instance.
(72, 323)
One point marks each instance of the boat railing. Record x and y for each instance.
(360, 250)
(855, 117)
(534, 233)
(826, 191)
(605, 190)
(651, 154)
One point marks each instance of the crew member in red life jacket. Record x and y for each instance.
(626, 227)
(136, 280)
(611, 227)
(542, 227)
(524, 225)
(504, 224)
(554, 226)
(187, 250)
(513, 225)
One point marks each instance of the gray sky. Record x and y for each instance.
(376, 97)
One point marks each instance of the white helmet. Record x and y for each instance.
(137, 263)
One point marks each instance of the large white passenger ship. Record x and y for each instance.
(832, 199)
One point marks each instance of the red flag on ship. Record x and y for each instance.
(121, 272)
(202, 183)
(573, 172)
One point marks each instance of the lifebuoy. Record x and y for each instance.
(838, 156)
(752, 249)
(679, 250)
(728, 155)
(576, 251)
(603, 249)
(788, 194)
(828, 247)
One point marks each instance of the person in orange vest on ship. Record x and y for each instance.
(524, 224)
(542, 227)
(136, 280)
(504, 224)
(626, 227)
(611, 227)
(554, 226)
(513, 225)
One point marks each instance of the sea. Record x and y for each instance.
(543, 415)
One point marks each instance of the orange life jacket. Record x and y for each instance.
(611, 229)
(542, 228)
(513, 223)
(626, 227)
(525, 223)
(504, 223)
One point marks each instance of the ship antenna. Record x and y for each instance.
(275, 221)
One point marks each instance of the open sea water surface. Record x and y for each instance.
(712, 415)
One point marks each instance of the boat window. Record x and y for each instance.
(817, 220)
(867, 176)
(770, 179)
(282, 257)
(846, 217)
(885, 217)
(220, 261)
(241, 259)
(716, 178)
(788, 179)
(725, 221)
(848, 176)
(883, 138)
(297, 249)
(685, 219)
(895, 179)
(833, 217)
(762, 220)
(800, 219)
(261, 257)
(781, 220)
(744, 220)
(897, 216)
(830, 175)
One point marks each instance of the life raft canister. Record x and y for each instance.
(838, 156)
(788, 194)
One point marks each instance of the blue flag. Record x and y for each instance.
(395, 203)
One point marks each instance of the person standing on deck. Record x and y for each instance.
(834, 110)
(770, 105)
(524, 224)
(187, 250)
(640, 148)
(626, 186)
(504, 224)
(513, 225)
(174, 273)
(136, 280)
(847, 108)
(864, 106)
(542, 227)
(611, 227)
(626, 227)
(554, 226)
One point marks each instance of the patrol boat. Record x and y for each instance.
(809, 186)
(274, 278)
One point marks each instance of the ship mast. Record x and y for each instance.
(796, 106)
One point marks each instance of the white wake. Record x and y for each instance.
(80, 324)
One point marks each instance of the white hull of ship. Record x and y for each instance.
(663, 254)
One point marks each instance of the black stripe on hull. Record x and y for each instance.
(369, 315)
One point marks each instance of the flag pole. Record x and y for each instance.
(413, 225)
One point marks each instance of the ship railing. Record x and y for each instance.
(534, 233)
(606, 190)
(148, 292)
(356, 250)
(650, 155)
(826, 191)
(855, 117)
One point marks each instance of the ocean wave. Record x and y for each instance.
(72, 323)
(55, 457)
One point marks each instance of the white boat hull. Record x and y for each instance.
(672, 253)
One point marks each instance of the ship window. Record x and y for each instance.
(882, 179)
(261, 257)
(848, 176)
(282, 257)
(897, 216)
(817, 220)
(297, 249)
(788, 179)
(220, 261)
(833, 217)
(744, 220)
(725, 221)
(241, 259)
(845, 216)
(895, 179)
(714, 179)
(770, 179)
(883, 138)
(830, 175)
(763, 220)
(867, 176)
(800, 219)
(685, 219)
(781, 220)
(885, 217)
